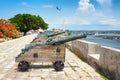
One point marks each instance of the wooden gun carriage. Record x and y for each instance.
(50, 50)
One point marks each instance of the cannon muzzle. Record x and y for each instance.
(54, 34)
(64, 40)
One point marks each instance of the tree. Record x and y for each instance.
(26, 22)
(7, 30)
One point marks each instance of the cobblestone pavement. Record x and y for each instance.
(75, 69)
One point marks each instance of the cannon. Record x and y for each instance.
(46, 35)
(50, 50)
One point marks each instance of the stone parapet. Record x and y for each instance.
(110, 62)
(104, 58)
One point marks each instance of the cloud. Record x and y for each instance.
(76, 19)
(104, 2)
(86, 14)
(86, 6)
(24, 4)
(105, 5)
(109, 20)
(47, 6)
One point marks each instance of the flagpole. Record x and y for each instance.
(64, 22)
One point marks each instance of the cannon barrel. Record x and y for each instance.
(51, 41)
(49, 34)
(53, 34)
(66, 39)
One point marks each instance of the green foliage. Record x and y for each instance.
(26, 22)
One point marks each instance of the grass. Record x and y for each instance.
(102, 74)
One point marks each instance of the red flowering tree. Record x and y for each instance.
(7, 30)
(1, 35)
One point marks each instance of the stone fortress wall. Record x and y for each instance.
(102, 58)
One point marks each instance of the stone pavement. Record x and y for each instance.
(75, 69)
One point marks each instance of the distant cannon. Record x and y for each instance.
(54, 34)
(46, 35)
(50, 50)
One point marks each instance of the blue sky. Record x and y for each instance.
(74, 14)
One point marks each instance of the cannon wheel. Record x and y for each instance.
(58, 65)
(23, 66)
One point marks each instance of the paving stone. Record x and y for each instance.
(21, 79)
(1, 76)
(10, 75)
(35, 74)
(22, 74)
(7, 79)
(34, 78)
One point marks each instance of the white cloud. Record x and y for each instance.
(95, 17)
(85, 6)
(92, 19)
(85, 22)
(47, 6)
(109, 20)
(105, 5)
(24, 4)
(104, 2)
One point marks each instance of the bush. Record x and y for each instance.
(7, 30)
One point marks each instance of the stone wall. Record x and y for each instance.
(110, 62)
(100, 57)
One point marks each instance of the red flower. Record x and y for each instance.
(7, 29)
(1, 35)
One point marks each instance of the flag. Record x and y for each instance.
(58, 8)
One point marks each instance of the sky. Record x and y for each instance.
(73, 14)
